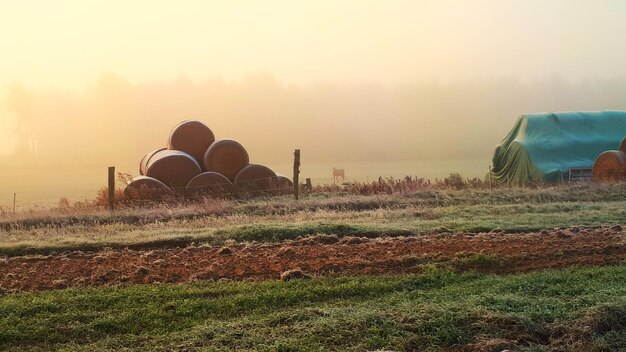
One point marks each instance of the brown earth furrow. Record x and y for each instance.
(324, 255)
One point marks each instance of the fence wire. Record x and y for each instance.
(186, 193)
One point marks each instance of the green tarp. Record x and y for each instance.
(544, 147)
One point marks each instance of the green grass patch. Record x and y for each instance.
(436, 310)
(478, 260)
(273, 228)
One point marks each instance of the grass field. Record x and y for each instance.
(439, 308)
(275, 219)
(581, 309)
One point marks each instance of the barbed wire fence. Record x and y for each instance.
(117, 182)
(12, 203)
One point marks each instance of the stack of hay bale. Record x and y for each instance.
(611, 165)
(194, 164)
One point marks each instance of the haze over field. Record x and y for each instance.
(401, 230)
(361, 81)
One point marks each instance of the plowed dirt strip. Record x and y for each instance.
(321, 255)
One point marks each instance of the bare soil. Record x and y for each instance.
(319, 255)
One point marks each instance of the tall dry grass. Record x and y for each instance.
(385, 192)
(408, 184)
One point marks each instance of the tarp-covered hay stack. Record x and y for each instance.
(545, 147)
(196, 165)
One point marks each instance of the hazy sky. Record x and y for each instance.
(66, 43)
(58, 51)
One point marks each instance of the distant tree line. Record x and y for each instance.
(113, 120)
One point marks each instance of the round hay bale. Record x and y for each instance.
(144, 187)
(256, 178)
(146, 158)
(610, 166)
(191, 137)
(622, 146)
(226, 157)
(173, 167)
(210, 183)
(285, 184)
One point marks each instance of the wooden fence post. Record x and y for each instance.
(111, 187)
(309, 185)
(296, 172)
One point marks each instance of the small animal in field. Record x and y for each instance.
(339, 173)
